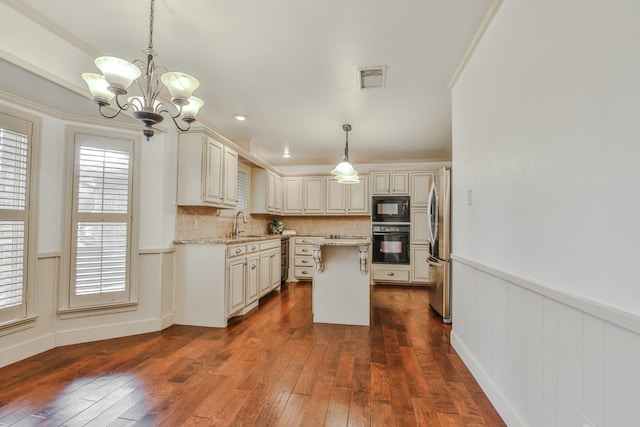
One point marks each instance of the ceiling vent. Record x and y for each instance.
(371, 77)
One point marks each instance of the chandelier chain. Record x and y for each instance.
(151, 26)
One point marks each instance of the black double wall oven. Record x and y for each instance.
(391, 230)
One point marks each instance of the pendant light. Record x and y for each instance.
(345, 172)
(118, 74)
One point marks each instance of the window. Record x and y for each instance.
(100, 238)
(243, 190)
(17, 240)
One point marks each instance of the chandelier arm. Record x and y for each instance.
(175, 117)
(106, 116)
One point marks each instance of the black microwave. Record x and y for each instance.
(390, 209)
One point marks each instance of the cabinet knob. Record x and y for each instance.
(390, 273)
(253, 266)
(305, 250)
(253, 248)
(305, 261)
(238, 250)
(305, 272)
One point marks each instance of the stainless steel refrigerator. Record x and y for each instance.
(439, 225)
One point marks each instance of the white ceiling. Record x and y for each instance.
(291, 66)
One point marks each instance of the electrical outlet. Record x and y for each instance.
(195, 224)
(469, 197)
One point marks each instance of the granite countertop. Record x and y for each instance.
(343, 241)
(226, 241)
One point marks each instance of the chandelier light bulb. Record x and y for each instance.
(190, 110)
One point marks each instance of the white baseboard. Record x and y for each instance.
(27, 349)
(104, 332)
(506, 411)
(167, 320)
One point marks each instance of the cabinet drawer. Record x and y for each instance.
(303, 273)
(303, 250)
(302, 261)
(303, 240)
(390, 275)
(236, 250)
(271, 244)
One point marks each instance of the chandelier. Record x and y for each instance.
(344, 171)
(118, 74)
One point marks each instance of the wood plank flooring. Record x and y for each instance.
(274, 367)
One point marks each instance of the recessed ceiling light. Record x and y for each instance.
(287, 155)
(240, 117)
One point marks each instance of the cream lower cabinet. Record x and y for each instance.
(302, 258)
(218, 281)
(419, 264)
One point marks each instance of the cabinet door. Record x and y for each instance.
(265, 273)
(314, 195)
(358, 201)
(230, 196)
(420, 186)
(381, 183)
(235, 284)
(419, 264)
(275, 269)
(271, 191)
(213, 179)
(279, 199)
(400, 183)
(253, 279)
(336, 197)
(293, 201)
(419, 228)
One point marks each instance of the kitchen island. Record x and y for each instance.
(341, 285)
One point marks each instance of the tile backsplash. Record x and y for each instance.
(199, 222)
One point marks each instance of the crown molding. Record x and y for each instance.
(34, 106)
(475, 41)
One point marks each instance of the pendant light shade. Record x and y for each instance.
(345, 172)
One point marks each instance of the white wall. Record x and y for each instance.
(546, 135)
(156, 277)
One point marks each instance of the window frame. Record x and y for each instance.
(24, 315)
(71, 305)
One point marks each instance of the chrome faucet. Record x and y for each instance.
(236, 229)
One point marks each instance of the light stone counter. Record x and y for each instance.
(341, 292)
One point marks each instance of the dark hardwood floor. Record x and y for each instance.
(274, 367)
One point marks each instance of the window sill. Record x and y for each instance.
(77, 312)
(13, 326)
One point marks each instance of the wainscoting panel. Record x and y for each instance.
(542, 356)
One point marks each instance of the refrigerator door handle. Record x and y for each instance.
(434, 262)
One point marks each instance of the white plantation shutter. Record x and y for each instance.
(243, 191)
(102, 221)
(14, 182)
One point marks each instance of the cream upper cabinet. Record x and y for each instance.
(304, 195)
(420, 186)
(314, 195)
(358, 200)
(347, 199)
(207, 172)
(390, 183)
(266, 192)
(293, 195)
